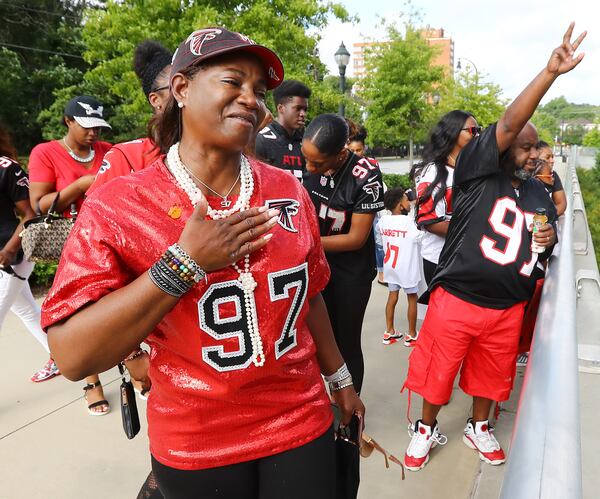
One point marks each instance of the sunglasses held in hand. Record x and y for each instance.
(353, 433)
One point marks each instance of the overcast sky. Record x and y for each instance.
(509, 40)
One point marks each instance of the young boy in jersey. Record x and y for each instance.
(486, 273)
(401, 239)
(279, 143)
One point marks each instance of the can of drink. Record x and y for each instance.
(540, 218)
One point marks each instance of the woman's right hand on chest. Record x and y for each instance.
(215, 244)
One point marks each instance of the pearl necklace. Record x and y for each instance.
(245, 277)
(87, 159)
(225, 203)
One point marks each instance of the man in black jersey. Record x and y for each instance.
(279, 143)
(486, 273)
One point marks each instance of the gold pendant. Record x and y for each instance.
(174, 212)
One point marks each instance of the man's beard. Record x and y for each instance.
(522, 174)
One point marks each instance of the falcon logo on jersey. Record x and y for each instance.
(197, 39)
(23, 182)
(288, 208)
(372, 188)
(90, 110)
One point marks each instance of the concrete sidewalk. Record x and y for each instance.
(50, 447)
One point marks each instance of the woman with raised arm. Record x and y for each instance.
(193, 256)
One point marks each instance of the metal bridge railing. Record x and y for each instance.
(545, 452)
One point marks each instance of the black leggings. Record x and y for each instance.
(301, 473)
(428, 270)
(346, 306)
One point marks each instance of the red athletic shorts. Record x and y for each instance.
(484, 340)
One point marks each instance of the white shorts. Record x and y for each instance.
(397, 287)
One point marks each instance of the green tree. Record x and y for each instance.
(548, 126)
(40, 52)
(470, 92)
(399, 86)
(111, 35)
(592, 139)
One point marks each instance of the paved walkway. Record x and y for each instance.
(50, 447)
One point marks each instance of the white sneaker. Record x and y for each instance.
(480, 436)
(424, 438)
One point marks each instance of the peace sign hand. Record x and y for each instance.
(562, 60)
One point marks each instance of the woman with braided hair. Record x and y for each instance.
(152, 64)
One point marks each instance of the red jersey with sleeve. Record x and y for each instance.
(210, 405)
(401, 238)
(357, 187)
(125, 158)
(429, 213)
(487, 258)
(50, 162)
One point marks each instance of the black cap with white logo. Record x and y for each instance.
(86, 111)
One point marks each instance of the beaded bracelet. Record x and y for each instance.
(176, 272)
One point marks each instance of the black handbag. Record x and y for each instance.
(44, 236)
(129, 412)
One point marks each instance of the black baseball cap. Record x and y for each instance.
(86, 111)
(207, 43)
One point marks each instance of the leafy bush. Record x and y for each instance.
(589, 181)
(397, 180)
(43, 275)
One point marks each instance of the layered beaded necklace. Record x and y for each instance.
(245, 277)
(77, 158)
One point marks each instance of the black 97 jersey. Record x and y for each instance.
(275, 147)
(357, 187)
(14, 186)
(487, 258)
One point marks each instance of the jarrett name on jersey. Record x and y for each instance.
(275, 147)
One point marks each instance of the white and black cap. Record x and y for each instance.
(86, 111)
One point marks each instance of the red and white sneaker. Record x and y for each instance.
(480, 436)
(424, 438)
(389, 338)
(49, 371)
(409, 341)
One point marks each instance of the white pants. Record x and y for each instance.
(15, 295)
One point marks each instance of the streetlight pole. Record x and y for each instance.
(458, 67)
(342, 58)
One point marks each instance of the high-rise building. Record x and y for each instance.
(444, 57)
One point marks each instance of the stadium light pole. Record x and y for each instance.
(342, 58)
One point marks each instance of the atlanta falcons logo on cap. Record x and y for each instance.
(197, 39)
(372, 188)
(289, 208)
(90, 110)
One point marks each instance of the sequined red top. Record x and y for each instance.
(210, 405)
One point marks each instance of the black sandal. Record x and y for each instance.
(91, 386)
